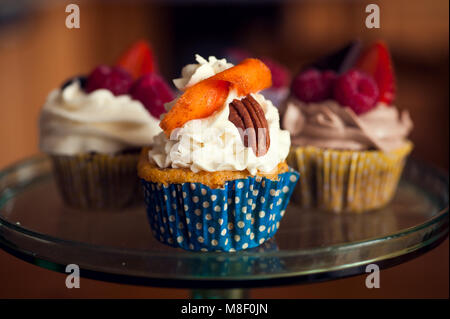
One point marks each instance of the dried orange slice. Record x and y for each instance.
(204, 98)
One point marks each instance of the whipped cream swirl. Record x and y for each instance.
(329, 125)
(194, 73)
(214, 143)
(73, 121)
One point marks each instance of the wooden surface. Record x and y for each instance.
(37, 53)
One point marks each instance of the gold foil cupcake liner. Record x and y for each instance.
(98, 180)
(346, 181)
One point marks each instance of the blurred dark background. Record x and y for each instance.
(37, 53)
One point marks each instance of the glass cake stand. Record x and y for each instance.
(310, 246)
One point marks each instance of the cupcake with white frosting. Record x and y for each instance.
(216, 178)
(94, 127)
(349, 141)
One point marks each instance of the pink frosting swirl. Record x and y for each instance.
(329, 125)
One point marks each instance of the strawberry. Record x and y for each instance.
(376, 61)
(138, 60)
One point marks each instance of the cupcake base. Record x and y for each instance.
(244, 213)
(347, 181)
(98, 180)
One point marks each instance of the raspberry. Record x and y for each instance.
(313, 85)
(152, 91)
(115, 79)
(280, 75)
(356, 90)
(329, 79)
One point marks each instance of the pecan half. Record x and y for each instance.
(248, 116)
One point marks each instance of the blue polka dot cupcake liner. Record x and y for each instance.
(243, 214)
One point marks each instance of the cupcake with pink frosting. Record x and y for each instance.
(349, 141)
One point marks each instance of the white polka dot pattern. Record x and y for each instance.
(243, 214)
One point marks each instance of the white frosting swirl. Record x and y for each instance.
(214, 143)
(194, 73)
(73, 121)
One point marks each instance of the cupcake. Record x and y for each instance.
(94, 126)
(349, 142)
(216, 179)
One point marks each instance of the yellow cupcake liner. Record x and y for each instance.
(98, 180)
(346, 181)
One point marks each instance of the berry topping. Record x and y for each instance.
(376, 61)
(356, 90)
(341, 60)
(79, 78)
(313, 85)
(153, 92)
(115, 79)
(138, 60)
(280, 74)
(329, 78)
